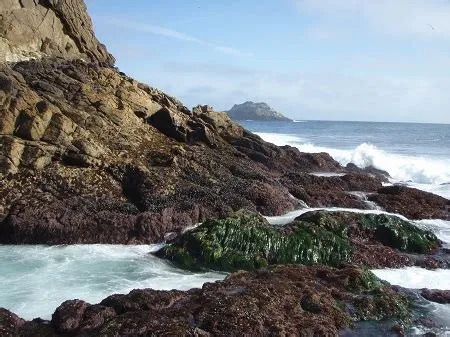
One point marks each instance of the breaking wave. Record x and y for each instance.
(402, 168)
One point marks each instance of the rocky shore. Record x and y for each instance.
(89, 155)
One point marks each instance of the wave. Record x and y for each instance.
(402, 168)
(281, 139)
(415, 277)
(87, 272)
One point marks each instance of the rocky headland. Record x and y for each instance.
(256, 112)
(89, 155)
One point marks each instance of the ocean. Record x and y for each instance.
(415, 154)
(34, 280)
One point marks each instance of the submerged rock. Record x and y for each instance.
(247, 241)
(282, 300)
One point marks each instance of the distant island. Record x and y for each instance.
(255, 111)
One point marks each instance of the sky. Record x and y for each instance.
(365, 60)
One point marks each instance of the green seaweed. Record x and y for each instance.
(247, 242)
(389, 230)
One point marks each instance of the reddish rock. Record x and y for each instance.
(68, 316)
(438, 296)
(10, 323)
(330, 191)
(412, 203)
(281, 300)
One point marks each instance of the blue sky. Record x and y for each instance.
(376, 60)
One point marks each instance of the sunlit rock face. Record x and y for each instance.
(32, 29)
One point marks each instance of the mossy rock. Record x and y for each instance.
(386, 229)
(248, 242)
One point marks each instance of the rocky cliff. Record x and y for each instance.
(89, 155)
(255, 112)
(32, 29)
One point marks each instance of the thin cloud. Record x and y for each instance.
(311, 94)
(169, 33)
(401, 18)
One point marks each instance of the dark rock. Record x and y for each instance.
(330, 191)
(95, 316)
(438, 296)
(68, 316)
(412, 203)
(10, 323)
(384, 175)
(170, 124)
(280, 300)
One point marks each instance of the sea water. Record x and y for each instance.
(34, 280)
(414, 154)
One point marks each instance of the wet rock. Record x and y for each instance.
(330, 191)
(248, 242)
(412, 203)
(68, 316)
(386, 229)
(438, 296)
(279, 300)
(10, 323)
(95, 316)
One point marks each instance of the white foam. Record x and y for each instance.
(416, 278)
(439, 227)
(328, 174)
(34, 280)
(289, 217)
(418, 170)
(281, 139)
(443, 190)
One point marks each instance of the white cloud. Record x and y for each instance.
(167, 32)
(311, 95)
(402, 18)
